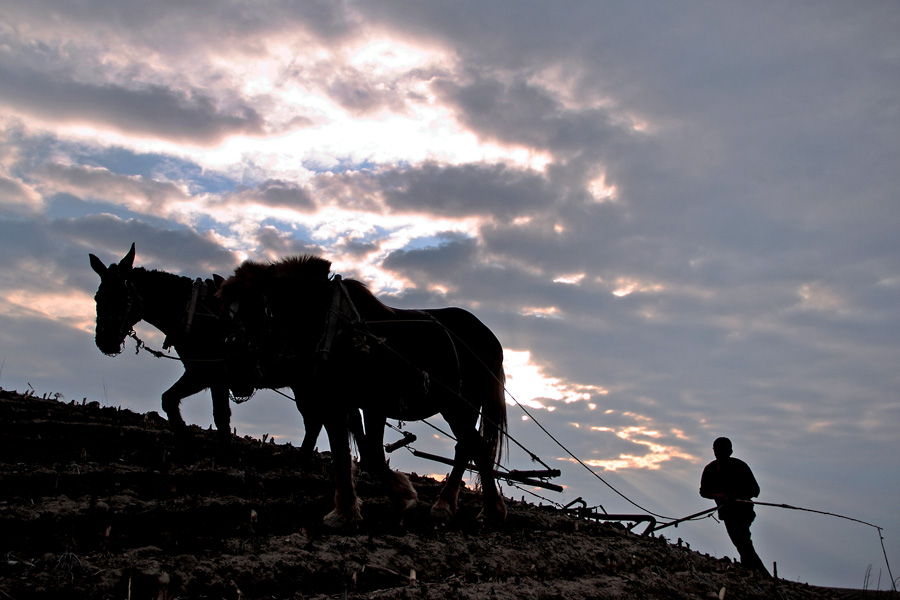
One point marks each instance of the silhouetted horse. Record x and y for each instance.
(389, 362)
(189, 314)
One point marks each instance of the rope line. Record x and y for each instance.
(557, 442)
(831, 514)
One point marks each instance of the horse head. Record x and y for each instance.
(119, 306)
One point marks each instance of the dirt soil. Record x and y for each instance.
(99, 502)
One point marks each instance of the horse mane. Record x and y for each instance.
(291, 275)
(155, 281)
(253, 275)
(305, 267)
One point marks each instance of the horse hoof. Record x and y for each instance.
(177, 424)
(333, 520)
(441, 511)
(336, 520)
(495, 515)
(405, 504)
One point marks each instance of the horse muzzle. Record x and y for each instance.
(109, 346)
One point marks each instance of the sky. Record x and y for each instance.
(680, 219)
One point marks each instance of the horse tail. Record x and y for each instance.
(493, 413)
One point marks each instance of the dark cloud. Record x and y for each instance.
(528, 114)
(273, 244)
(361, 93)
(148, 109)
(280, 194)
(358, 249)
(441, 263)
(140, 193)
(18, 199)
(182, 250)
(474, 189)
(179, 28)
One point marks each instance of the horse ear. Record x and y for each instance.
(128, 261)
(218, 280)
(97, 265)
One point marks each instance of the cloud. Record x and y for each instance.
(178, 250)
(183, 28)
(18, 198)
(275, 244)
(461, 190)
(190, 116)
(278, 194)
(139, 194)
(442, 263)
(531, 114)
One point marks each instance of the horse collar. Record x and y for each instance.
(198, 291)
(341, 308)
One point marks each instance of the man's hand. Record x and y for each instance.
(714, 495)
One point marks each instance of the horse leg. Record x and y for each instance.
(355, 425)
(312, 424)
(346, 502)
(448, 500)
(186, 385)
(470, 444)
(221, 409)
(399, 488)
(494, 507)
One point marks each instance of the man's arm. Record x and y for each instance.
(709, 487)
(751, 486)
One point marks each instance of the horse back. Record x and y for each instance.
(474, 336)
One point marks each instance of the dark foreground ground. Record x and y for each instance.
(97, 502)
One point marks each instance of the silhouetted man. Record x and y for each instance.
(728, 480)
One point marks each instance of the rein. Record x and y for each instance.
(198, 291)
(140, 345)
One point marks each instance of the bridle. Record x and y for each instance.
(125, 327)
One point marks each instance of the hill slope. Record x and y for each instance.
(98, 502)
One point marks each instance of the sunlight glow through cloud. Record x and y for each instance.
(74, 309)
(528, 384)
(545, 312)
(572, 279)
(656, 452)
(627, 285)
(601, 191)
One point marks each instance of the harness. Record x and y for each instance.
(198, 290)
(343, 310)
(342, 323)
